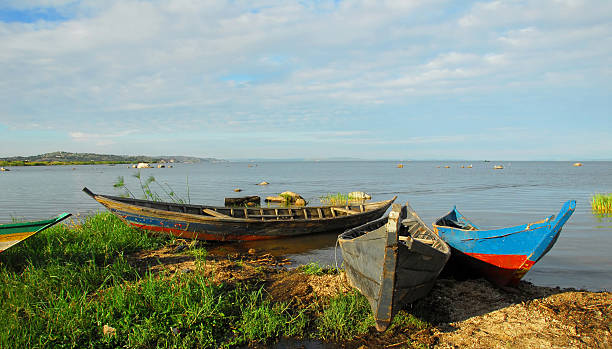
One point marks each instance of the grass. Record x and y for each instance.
(61, 287)
(602, 203)
(345, 317)
(315, 269)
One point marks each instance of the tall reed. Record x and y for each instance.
(602, 203)
(151, 193)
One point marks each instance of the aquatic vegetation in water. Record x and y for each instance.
(335, 199)
(344, 199)
(602, 203)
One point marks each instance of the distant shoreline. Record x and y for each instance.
(59, 163)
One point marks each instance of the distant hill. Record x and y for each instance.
(59, 157)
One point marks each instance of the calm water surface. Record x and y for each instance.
(521, 192)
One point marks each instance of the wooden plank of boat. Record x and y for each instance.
(391, 266)
(232, 224)
(503, 256)
(344, 210)
(215, 213)
(12, 234)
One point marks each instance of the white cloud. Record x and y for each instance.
(100, 139)
(159, 66)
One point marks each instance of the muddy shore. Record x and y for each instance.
(459, 314)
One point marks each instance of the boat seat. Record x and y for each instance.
(347, 211)
(408, 238)
(215, 213)
(425, 241)
(408, 221)
(271, 215)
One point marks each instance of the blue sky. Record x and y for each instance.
(500, 80)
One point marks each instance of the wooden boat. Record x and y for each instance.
(502, 256)
(11, 234)
(392, 261)
(242, 223)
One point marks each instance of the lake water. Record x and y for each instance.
(520, 193)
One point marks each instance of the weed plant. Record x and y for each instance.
(150, 193)
(602, 203)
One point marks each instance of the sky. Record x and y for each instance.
(406, 79)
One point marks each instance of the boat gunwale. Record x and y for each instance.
(542, 223)
(164, 214)
(44, 223)
(361, 229)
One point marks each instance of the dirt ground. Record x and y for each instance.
(463, 314)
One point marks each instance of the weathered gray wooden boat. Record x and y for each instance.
(393, 261)
(242, 223)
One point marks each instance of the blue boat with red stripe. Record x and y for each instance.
(502, 256)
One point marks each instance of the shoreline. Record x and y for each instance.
(59, 163)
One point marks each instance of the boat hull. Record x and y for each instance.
(12, 234)
(503, 256)
(194, 226)
(390, 264)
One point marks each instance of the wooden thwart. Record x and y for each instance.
(271, 216)
(408, 238)
(215, 213)
(345, 210)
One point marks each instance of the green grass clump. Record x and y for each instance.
(262, 320)
(345, 317)
(406, 320)
(311, 269)
(602, 203)
(315, 269)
